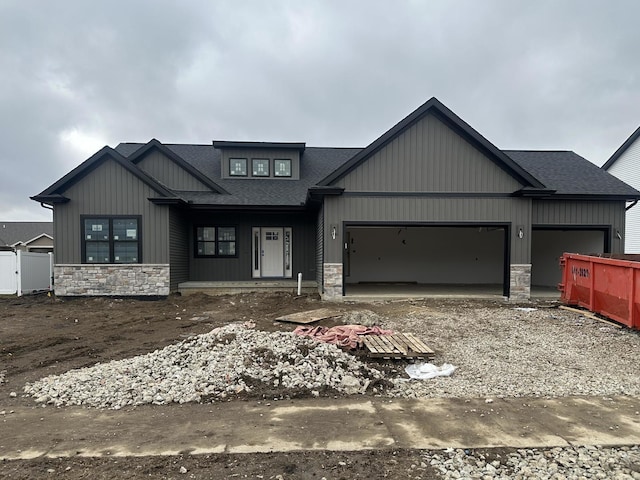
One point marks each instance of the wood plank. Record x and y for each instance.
(590, 315)
(369, 342)
(309, 316)
(422, 347)
(412, 345)
(380, 347)
(398, 343)
(393, 348)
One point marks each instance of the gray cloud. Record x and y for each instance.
(77, 75)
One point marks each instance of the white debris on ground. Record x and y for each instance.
(555, 463)
(229, 360)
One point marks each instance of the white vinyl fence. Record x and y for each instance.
(25, 272)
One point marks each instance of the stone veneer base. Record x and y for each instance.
(332, 285)
(520, 282)
(129, 280)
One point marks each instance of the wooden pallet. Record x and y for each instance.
(399, 345)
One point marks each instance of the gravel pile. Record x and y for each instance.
(505, 352)
(229, 360)
(557, 463)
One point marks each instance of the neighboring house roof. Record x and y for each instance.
(569, 174)
(623, 148)
(541, 173)
(13, 233)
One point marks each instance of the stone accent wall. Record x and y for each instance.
(117, 280)
(332, 281)
(520, 282)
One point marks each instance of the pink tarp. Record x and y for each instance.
(344, 335)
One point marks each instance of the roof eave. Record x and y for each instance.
(50, 199)
(299, 146)
(591, 196)
(534, 192)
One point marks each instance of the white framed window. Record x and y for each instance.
(282, 167)
(238, 167)
(260, 167)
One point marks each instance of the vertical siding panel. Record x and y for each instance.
(111, 190)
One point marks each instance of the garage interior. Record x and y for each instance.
(548, 245)
(429, 260)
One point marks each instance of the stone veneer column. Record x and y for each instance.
(520, 282)
(332, 281)
(112, 280)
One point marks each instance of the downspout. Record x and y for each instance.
(630, 206)
(49, 207)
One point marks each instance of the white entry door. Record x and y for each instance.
(272, 252)
(271, 248)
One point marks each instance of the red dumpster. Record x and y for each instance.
(605, 285)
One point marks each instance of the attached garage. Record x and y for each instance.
(427, 255)
(431, 202)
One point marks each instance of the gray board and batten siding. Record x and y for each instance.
(108, 190)
(429, 157)
(428, 174)
(178, 248)
(170, 174)
(239, 268)
(609, 215)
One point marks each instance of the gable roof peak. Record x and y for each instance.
(435, 106)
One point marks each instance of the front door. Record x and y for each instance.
(272, 252)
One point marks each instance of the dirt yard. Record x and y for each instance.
(42, 336)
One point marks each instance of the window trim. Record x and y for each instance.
(253, 173)
(275, 170)
(111, 240)
(246, 167)
(216, 227)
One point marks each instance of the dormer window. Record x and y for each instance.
(260, 167)
(238, 167)
(282, 167)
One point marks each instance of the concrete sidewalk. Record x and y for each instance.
(320, 424)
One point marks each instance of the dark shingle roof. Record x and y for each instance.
(563, 172)
(14, 232)
(570, 174)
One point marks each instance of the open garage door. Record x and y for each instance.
(549, 243)
(438, 259)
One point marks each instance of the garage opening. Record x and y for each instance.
(429, 260)
(547, 246)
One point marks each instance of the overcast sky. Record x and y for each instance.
(78, 75)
